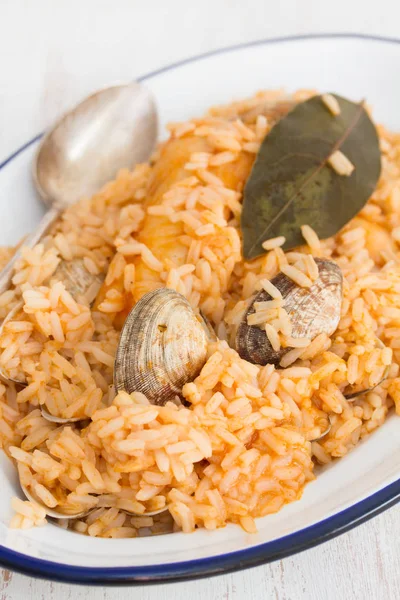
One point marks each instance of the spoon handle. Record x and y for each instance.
(46, 222)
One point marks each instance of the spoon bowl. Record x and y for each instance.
(113, 128)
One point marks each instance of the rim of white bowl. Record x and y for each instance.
(298, 541)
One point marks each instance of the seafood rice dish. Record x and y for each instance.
(167, 367)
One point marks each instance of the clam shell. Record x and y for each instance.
(22, 382)
(325, 432)
(52, 512)
(77, 279)
(13, 313)
(352, 393)
(59, 514)
(60, 420)
(311, 310)
(163, 345)
(79, 282)
(270, 109)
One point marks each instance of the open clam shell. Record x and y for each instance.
(51, 512)
(311, 311)
(60, 420)
(163, 345)
(80, 283)
(325, 432)
(77, 279)
(22, 382)
(352, 392)
(10, 317)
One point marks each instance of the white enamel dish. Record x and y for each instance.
(347, 493)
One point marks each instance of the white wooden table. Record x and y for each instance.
(43, 58)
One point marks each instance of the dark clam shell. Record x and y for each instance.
(311, 310)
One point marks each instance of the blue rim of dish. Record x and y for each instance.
(304, 539)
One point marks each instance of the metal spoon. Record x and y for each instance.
(113, 128)
(56, 514)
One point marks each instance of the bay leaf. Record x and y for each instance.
(291, 184)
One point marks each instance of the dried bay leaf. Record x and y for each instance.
(291, 183)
